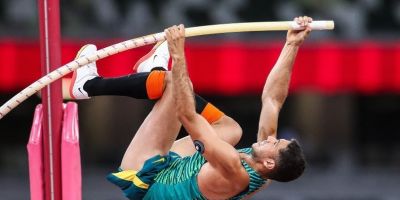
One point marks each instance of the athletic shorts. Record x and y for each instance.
(135, 184)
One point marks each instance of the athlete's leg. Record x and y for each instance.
(156, 134)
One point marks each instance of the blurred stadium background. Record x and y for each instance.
(343, 106)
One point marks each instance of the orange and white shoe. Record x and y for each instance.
(83, 74)
(157, 57)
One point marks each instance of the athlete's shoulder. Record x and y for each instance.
(215, 184)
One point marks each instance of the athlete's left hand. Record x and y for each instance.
(176, 41)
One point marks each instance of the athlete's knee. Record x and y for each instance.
(232, 130)
(236, 131)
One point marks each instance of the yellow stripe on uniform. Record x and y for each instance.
(159, 160)
(130, 175)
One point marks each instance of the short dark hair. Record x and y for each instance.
(290, 164)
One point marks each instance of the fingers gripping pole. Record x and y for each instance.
(150, 39)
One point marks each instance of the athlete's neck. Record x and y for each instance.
(257, 166)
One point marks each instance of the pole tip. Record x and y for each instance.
(330, 25)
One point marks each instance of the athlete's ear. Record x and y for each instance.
(269, 163)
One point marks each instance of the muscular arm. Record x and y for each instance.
(275, 92)
(218, 153)
(277, 84)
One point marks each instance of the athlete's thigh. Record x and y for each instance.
(156, 134)
(226, 128)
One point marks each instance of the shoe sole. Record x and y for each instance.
(145, 57)
(74, 75)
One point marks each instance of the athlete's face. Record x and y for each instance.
(269, 148)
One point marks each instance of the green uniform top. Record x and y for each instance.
(179, 179)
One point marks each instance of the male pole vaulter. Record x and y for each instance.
(205, 164)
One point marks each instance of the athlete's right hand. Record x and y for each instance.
(297, 37)
(176, 41)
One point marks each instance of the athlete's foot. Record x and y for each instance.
(83, 74)
(158, 57)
